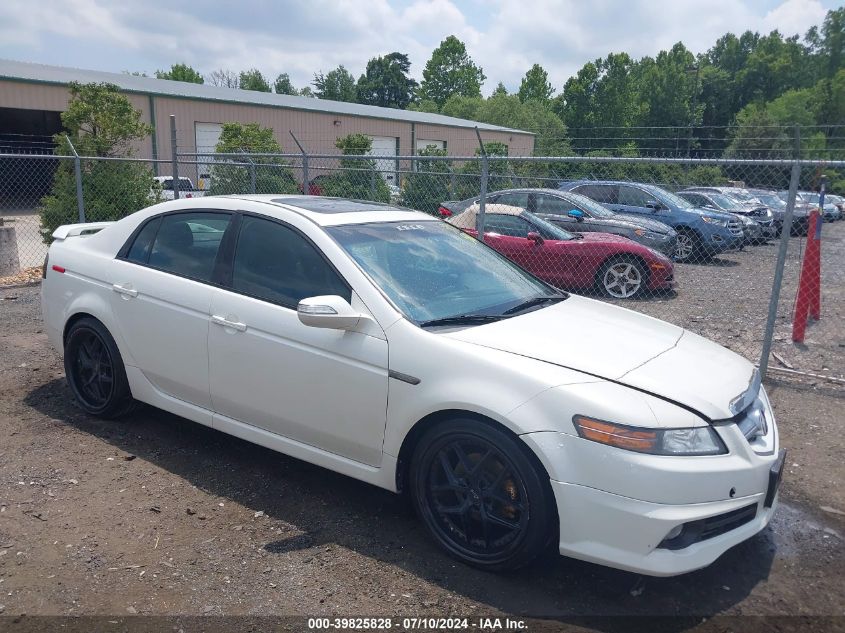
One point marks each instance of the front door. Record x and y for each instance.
(325, 388)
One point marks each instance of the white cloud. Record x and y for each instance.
(505, 37)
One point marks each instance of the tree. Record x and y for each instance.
(450, 71)
(181, 72)
(336, 85)
(283, 85)
(386, 82)
(535, 85)
(426, 188)
(271, 175)
(100, 122)
(252, 79)
(224, 79)
(500, 90)
(358, 179)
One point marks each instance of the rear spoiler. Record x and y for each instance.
(71, 230)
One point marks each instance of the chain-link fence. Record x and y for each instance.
(702, 243)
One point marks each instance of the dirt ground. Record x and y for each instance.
(157, 515)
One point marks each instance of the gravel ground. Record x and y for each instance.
(157, 515)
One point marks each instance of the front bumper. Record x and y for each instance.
(601, 527)
(665, 245)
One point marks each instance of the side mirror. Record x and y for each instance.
(535, 237)
(653, 205)
(577, 214)
(328, 311)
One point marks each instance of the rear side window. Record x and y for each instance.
(187, 243)
(509, 225)
(140, 249)
(606, 194)
(514, 199)
(276, 263)
(552, 204)
(633, 197)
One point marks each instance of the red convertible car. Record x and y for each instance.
(617, 266)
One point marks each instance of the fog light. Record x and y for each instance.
(675, 531)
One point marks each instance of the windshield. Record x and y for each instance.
(432, 270)
(770, 200)
(588, 204)
(724, 201)
(550, 231)
(670, 199)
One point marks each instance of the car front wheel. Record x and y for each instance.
(687, 246)
(622, 278)
(481, 496)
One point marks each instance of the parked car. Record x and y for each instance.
(777, 206)
(617, 266)
(830, 212)
(579, 214)
(757, 225)
(316, 186)
(839, 201)
(800, 214)
(701, 233)
(164, 188)
(533, 416)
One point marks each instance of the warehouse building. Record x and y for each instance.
(33, 95)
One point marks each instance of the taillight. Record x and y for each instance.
(444, 212)
(189, 195)
(44, 268)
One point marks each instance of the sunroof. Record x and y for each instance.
(335, 205)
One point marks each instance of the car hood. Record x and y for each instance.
(625, 347)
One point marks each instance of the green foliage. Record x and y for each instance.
(252, 79)
(386, 82)
(283, 85)
(359, 178)
(336, 85)
(500, 90)
(181, 72)
(535, 85)
(426, 188)
(271, 174)
(100, 122)
(425, 105)
(450, 71)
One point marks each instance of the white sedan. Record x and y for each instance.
(389, 346)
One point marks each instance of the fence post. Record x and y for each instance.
(306, 184)
(485, 175)
(781, 260)
(77, 169)
(174, 159)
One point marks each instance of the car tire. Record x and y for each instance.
(95, 371)
(622, 278)
(688, 247)
(482, 495)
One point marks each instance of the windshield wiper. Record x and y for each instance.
(536, 301)
(464, 319)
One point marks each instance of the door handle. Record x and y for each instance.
(235, 325)
(128, 292)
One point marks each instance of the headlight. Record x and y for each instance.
(691, 441)
(715, 221)
(649, 234)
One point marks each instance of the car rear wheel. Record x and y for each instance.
(623, 278)
(481, 496)
(95, 371)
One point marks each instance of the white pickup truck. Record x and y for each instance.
(186, 188)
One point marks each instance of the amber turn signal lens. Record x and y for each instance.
(616, 435)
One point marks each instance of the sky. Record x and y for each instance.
(504, 37)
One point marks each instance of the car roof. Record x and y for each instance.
(325, 211)
(466, 220)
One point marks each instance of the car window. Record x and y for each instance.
(633, 197)
(510, 225)
(139, 252)
(606, 194)
(696, 198)
(276, 263)
(552, 204)
(514, 199)
(187, 243)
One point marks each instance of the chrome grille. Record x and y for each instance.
(734, 227)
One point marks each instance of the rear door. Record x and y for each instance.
(162, 293)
